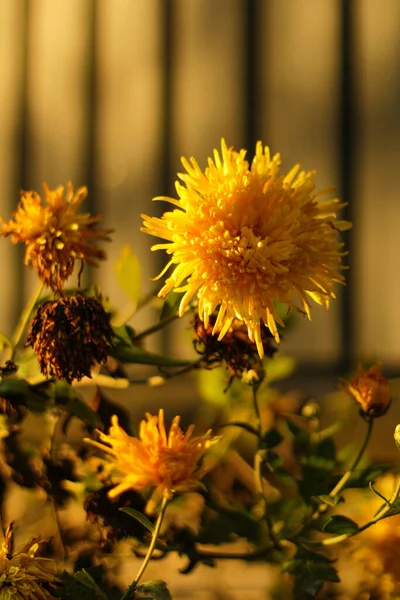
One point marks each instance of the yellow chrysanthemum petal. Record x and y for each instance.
(22, 574)
(166, 462)
(244, 237)
(54, 234)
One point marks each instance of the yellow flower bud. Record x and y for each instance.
(397, 436)
(371, 390)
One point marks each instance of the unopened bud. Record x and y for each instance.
(310, 410)
(397, 436)
(371, 390)
(250, 377)
(155, 381)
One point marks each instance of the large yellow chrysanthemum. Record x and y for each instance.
(168, 463)
(54, 234)
(23, 576)
(244, 237)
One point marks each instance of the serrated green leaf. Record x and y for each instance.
(340, 524)
(170, 306)
(136, 355)
(128, 274)
(156, 588)
(139, 517)
(87, 580)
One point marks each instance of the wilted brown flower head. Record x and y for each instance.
(69, 336)
(23, 576)
(371, 390)
(54, 234)
(235, 349)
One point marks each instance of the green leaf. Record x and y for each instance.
(87, 580)
(301, 436)
(139, 517)
(340, 524)
(68, 399)
(80, 586)
(156, 588)
(128, 274)
(271, 438)
(310, 569)
(228, 524)
(35, 398)
(170, 306)
(136, 355)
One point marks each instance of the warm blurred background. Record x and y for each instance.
(112, 93)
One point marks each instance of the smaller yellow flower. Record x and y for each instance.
(23, 576)
(54, 234)
(371, 390)
(168, 463)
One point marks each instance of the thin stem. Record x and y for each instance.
(258, 462)
(52, 453)
(153, 542)
(24, 318)
(340, 485)
(235, 555)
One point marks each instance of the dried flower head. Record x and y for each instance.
(69, 336)
(244, 237)
(236, 350)
(168, 463)
(54, 234)
(23, 576)
(371, 390)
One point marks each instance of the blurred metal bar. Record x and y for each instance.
(166, 179)
(89, 168)
(252, 70)
(24, 153)
(347, 147)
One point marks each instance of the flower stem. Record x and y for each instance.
(147, 558)
(258, 462)
(342, 482)
(24, 318)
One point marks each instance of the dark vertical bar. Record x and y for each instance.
(89, 162)
(251, 24)
(23, 152)
(167, 177)
(347, 118)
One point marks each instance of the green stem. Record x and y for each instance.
(150, 551)
(258, 462)
(342, 482)
(24, 318)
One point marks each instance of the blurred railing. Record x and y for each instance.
(112, 93)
